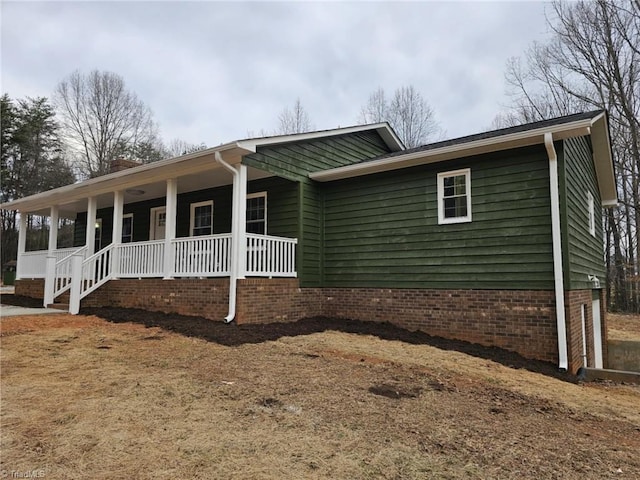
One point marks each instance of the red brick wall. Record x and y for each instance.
(574, 299)
(263, 300)
(521, 321)
(208, 297)
(33, 287)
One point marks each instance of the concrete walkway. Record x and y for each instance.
(13, 311)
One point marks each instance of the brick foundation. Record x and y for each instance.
(33, 287)
(207, 297)
(263, 300)
(521, 321)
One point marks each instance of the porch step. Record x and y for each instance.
(59, 306)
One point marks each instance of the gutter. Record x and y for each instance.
(563, 362)
(233, 278)
(458, 150)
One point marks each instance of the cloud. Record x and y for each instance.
(213, 71)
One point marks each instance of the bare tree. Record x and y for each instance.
(178, 147)
(102, 120)
(408, 113)
(295, 120)
(377, 108)
(593, 61)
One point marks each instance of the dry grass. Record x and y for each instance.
(85, 398)
(623, 326)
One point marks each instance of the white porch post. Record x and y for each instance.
(170, 226)
(22, 242)
(50, 270)
(76, 283)
(90, 239)
(53, 229)
(240, 211)
(116, 236)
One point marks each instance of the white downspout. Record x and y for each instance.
(233, 277)
(563, 363)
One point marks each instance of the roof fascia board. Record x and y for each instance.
(603, 161)
(128, 178)
(383, 129)
(486, 145)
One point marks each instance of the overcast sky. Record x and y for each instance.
(213, 72)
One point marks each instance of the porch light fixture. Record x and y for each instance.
(134, 191)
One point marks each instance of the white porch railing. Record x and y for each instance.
(271, 256)
(34, 264)
(140, 259)
(208, 256)
(96, 270)
(63, 271)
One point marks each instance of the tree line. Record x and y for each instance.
(592, 61)
(91, 120)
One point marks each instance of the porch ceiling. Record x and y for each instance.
(138, 186)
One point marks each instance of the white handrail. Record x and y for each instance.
(63, 270)
(96, 271)
(206, 256)
(271, 256)
(140, 259)
(33, 264)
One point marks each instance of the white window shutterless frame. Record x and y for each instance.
(454, 196)
(201, 218)
(257, 213)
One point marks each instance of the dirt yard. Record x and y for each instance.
(135, 395)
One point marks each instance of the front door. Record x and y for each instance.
(158, 222)
(597, 330)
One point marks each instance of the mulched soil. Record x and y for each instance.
(235, 335)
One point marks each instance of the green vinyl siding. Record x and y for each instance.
(310, 235)
(583, 252)
(382, 230)
(281, 211)
(296, 160)
(282, 205)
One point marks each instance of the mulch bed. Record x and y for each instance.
(20, 301)
(234, 334)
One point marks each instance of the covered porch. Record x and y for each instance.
(246, 249)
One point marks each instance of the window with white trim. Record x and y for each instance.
(454, 196)
(127, 228)
(202, 218)
(257, 213)
(592, 214)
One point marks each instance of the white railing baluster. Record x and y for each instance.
(206, 256)
(270, 256)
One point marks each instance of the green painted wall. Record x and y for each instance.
(382, 230)
(281, 211)
(583, 252)
(310, 236)
(297, 159)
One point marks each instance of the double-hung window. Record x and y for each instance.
(202, 218)
(127, 228)
(454, 196)
(257, 213)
